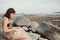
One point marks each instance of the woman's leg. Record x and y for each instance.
(21, 34)
(18, 35)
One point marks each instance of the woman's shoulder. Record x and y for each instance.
(5, 19)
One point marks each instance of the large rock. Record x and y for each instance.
(21, 20)
(49, 31)
(34, 36)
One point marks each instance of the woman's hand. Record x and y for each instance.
(13, 30)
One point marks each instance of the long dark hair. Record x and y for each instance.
(8, 12)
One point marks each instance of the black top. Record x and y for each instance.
(8, 24)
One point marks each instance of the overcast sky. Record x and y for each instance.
(30, 6)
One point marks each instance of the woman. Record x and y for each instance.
(12, 33)
(5, 23)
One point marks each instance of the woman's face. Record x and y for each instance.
(12, 15)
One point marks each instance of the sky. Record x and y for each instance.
(30, 6)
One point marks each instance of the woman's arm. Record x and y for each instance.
(5, 28)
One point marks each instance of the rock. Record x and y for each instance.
(25, 28)
(42, 39)
(21, 20)
(34, 26)
(49, 31)
(34, 36)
